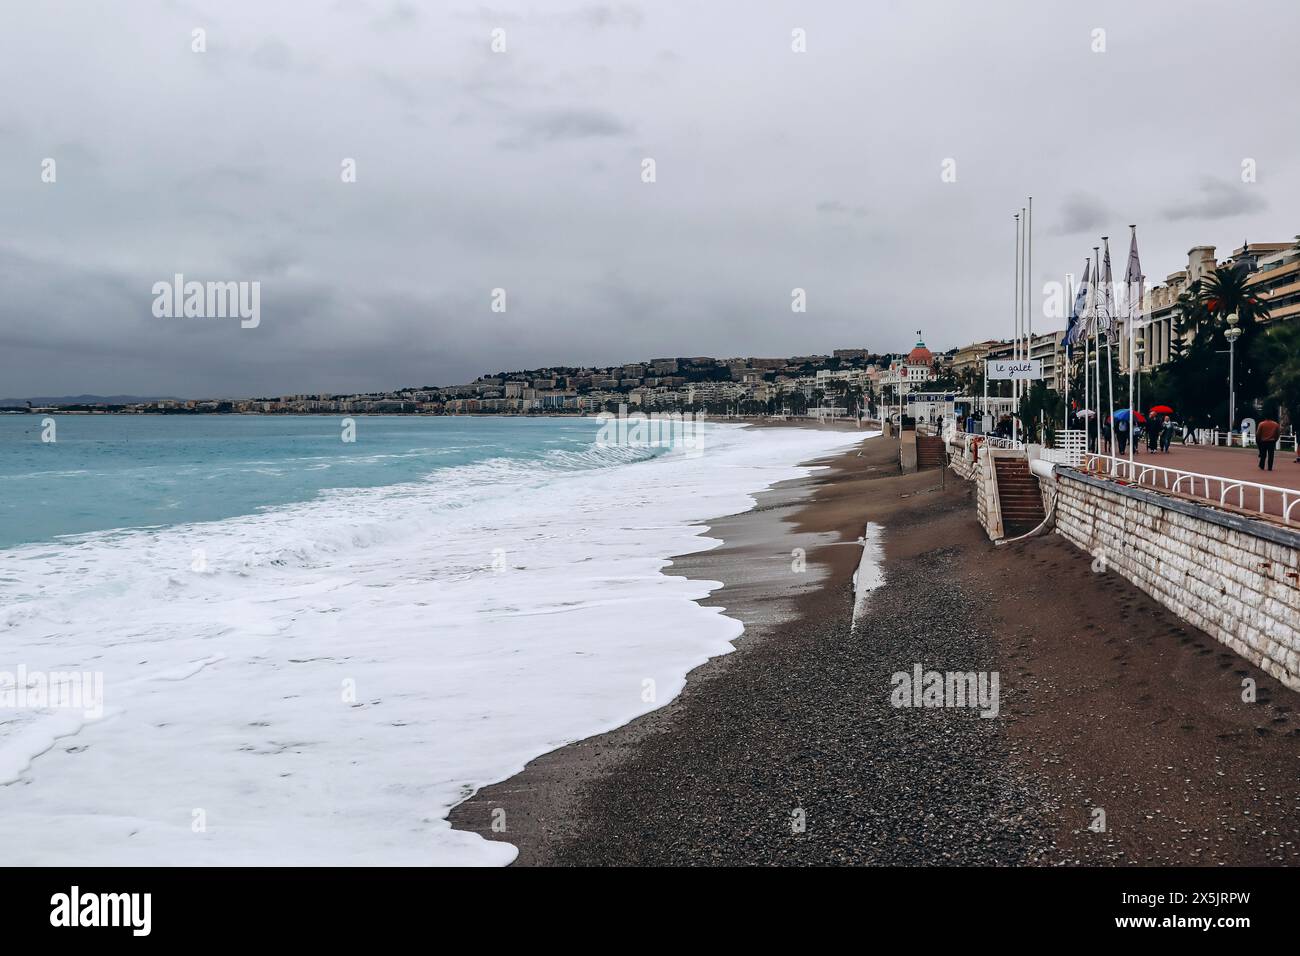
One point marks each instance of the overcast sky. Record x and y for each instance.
(522, 170)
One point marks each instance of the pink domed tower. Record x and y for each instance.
(920, 355)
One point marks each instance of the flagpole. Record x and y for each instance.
(1133, 307)
(1110, 392)
(1029, 294)
(1096, 344)
(1069, 297)
(1080, 330)
(1110, 334)
(1015, 330)
(1087, 361)
(1024, 308)
(1087, 428)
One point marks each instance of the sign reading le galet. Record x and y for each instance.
(1019, 371)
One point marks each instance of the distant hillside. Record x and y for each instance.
(81, 400)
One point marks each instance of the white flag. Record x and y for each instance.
(1106, 305)
(1133, 283)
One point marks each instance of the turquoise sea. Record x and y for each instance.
(324, 646)
(130, 471)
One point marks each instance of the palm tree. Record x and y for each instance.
(1193, 380)
(1224, 292)
(1227, 290)
(854, 395)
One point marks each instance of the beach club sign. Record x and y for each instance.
(1019, 371)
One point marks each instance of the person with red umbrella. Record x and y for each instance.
(1162, 427)
(1161, 430)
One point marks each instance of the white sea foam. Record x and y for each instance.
(225, 688)
(869, 575)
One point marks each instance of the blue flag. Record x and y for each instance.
(1074, 329)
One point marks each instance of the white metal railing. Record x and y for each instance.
(1063, 456)
(1069, 450)
(992, 441)
(1222, 438)
(1216, 488)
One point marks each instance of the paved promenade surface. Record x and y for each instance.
(1234, 464)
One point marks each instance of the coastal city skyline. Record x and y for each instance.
(709, 382)
(791, 150)
(1049, 325)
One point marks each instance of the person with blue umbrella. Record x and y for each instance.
(1123, 427)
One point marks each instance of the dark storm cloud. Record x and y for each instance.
(1217, 199)
(1081, 213)
(600, 15)
(521, 170)
(833, 207)
(555, 126)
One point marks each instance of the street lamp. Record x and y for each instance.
(1139, 357)
(1232, 335)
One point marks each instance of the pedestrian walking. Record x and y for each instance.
(1166, 433)
(1266, 433)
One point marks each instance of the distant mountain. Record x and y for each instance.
(81, 400)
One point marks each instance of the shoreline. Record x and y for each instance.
(1108, 702)
(548, 786)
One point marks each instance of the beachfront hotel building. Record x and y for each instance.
(914, 369)
(1275, 275)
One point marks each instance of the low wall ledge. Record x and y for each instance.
(1251, 526)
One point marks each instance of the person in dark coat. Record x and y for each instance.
(1266, 433)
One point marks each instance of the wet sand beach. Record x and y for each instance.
(789, 751)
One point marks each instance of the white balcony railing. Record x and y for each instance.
(1222, 438)
(1246, 495)
(992, 441)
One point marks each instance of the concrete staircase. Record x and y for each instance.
(1019, 498)
(929, 452)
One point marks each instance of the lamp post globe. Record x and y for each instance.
(1232, 334)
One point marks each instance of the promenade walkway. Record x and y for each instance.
(1226, 466)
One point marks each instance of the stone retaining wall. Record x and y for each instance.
(959, 457)
(987, 508)
(1236, 578)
